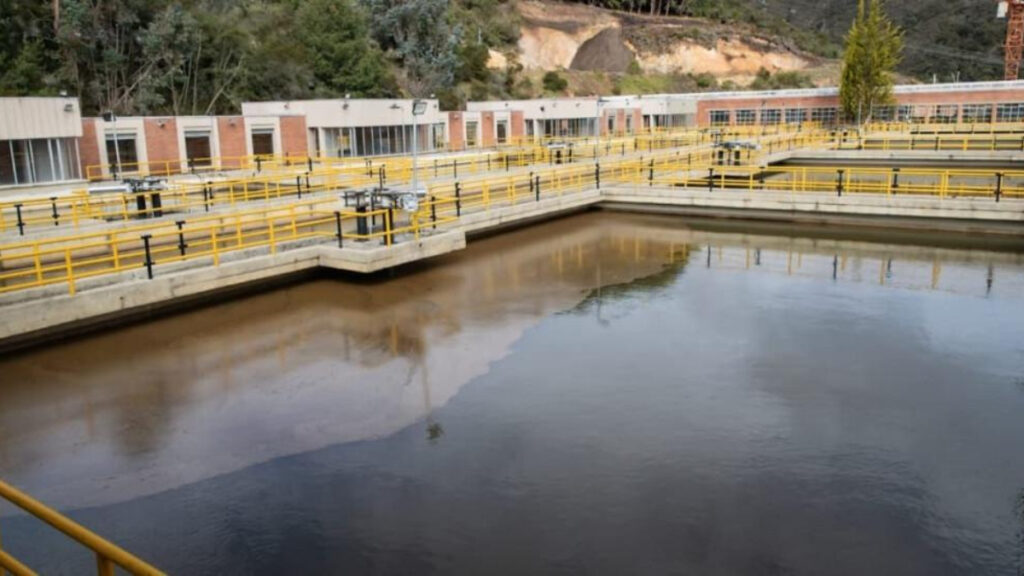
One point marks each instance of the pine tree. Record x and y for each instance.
(874, 46)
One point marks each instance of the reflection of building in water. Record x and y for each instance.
(915, 268)
(174, 401)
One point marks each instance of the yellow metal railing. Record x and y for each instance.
(935, 142)
(108, 555)
(951, 128)
(839, 180)
(71, 259)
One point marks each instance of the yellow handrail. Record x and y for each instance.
(107, 554)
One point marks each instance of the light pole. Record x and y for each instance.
(597, 126)
(109, 116)
(418, 108)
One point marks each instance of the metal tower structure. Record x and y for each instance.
(1013, 11)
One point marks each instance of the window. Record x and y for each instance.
(42, 161)
(771, 116)
(977, 113)
(796, 115)
(629, 123)
(746, 117)
(37, 161)
(438, 139)
(883, 114)
(919, 113)
(121, 148)
(945, 114)
(824, 115)
(720, 118)
(7, 175)
(197, 148)
(471, 129)
(501, 131)
(611, 124)
(1010, 112)
(263, 142)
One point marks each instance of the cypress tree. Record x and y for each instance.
(874, 46)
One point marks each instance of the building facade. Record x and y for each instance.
(346, 127)
(39, 140)
(45, 140)
(980, 102)
(173, 144)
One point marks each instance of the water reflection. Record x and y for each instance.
(150, 407)
(728, 363)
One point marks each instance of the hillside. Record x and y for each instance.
(579, 39)
(943, 37)
(207, 56)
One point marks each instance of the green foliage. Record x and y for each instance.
(342, 58)
(493, 23)
(189, 56)
(873, 49)
(553, 82)
(27, 73)
(472, 63)
(419, 35)
(781, 80)
(705, 80)
(653, 83)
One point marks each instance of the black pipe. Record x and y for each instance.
(21, 222)
(337, 220)
(149, 255)
(181, 237)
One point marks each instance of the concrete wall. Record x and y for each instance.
(347, 113)
(26, 118)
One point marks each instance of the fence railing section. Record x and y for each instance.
(108, 555)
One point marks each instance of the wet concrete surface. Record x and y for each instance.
(602, 394)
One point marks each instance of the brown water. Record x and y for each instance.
(602, 394)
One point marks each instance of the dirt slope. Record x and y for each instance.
(579, 37)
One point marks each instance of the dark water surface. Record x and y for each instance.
(605, 394)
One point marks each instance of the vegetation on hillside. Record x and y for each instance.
(945, 39)
(207, 56)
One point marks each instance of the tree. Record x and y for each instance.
(420, 36)
(344, 58)
(553, 82)
(874, 46)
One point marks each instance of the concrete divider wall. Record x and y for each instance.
(34, 316)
